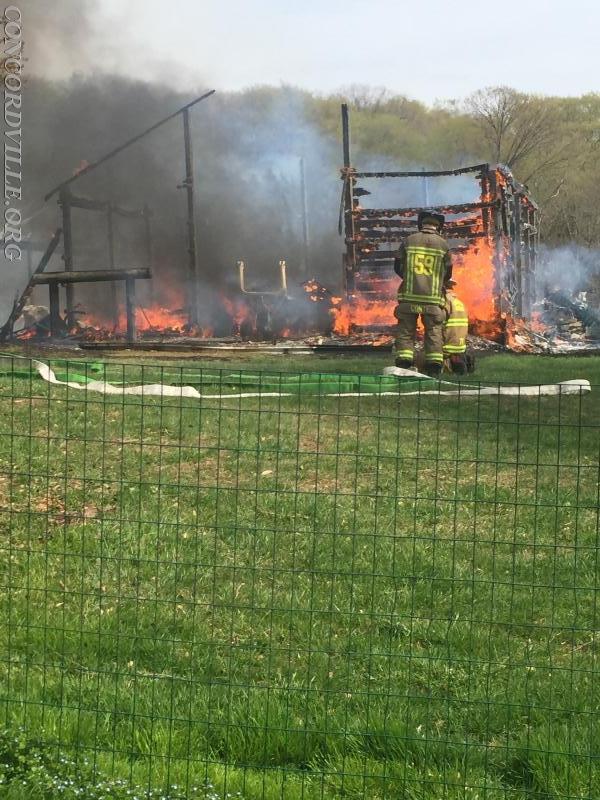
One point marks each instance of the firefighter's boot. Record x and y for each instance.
(432, 369)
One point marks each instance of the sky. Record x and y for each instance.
(438, 50)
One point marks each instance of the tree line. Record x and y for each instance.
(248, 146)
(550, 143)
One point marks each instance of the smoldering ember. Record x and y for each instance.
(108, 277)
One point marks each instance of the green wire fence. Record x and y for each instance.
(296, 587)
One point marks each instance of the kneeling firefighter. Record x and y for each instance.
(424, 263)
(456, 328)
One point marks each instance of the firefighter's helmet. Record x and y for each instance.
(430, 218)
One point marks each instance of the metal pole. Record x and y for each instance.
(191, 219)
(305, 228)
(65, 204)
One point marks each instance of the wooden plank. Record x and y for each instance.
(92, 276)
(433, 174)
(460, 208)
(65, 204)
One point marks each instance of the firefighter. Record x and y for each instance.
(424, 263)
(456, 328)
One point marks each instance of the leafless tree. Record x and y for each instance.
(517, 126)
(366, 98)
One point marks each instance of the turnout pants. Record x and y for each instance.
(433, 318)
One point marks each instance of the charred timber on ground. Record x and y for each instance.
(91, 276)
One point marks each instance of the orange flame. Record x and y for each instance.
(149, 318)
(473, 271)
(240, 313)
(474, 274)
(358, 312)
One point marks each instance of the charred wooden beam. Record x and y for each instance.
(188, 185)
(111, 261)
(520, 188)
(369, 224)
(376, 237)
(497, 230)
(531, 245)
(346, 135)
(130, 308)
(521, 301)
(420, 174)
(64, 202)
(91, 276)
(88, 204)
(462, 208)
(350, 256)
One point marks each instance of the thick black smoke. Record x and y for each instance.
(248, 148)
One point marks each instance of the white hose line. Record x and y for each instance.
(578, 386)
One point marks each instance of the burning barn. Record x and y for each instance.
(493, 238)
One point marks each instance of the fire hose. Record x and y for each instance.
(393, 383)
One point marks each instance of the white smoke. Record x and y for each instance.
(567, 269)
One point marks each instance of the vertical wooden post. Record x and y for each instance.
(191, 220)
(532, 218)
(526, 256)
(64, 201)
(53, 292)
(130, 309)
(498, 239)
(111, 263)
(521, 306)
(486, 213)
(350, 255)
(346, 134)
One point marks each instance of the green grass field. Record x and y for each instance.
(306, 597)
